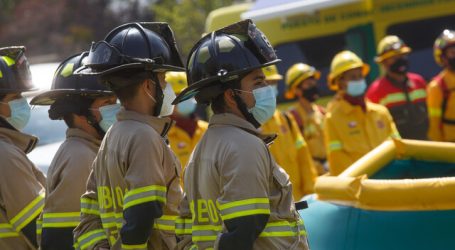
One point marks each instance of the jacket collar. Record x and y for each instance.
(228, 119)
(348, 108)
(79, 133)
(160, 125)
(23, 141)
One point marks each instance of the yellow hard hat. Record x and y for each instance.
(446, 39)
(271, 73)
(391, 46)
(177, 80)
(296, 74)
(342, 62)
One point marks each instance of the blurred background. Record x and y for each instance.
(55, 29)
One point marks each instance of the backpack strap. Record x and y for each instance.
(445, 98)
(297, 118)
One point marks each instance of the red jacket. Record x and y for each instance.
(406, 103)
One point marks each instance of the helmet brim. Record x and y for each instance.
(402, 51)
(49, 97)
(86, 70)
(193, 89)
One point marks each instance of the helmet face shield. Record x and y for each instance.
(103, 55)
(20, 78)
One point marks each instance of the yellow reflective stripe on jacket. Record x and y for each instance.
(335, 145)
(205, 232)
(165, 222)
(89, 206)
(283, 229)
(31, 211)
(69, 219)
(135, 247)
(7, 230)
(144, 194)
(401, 97)
(183, 226)
(246, 207)
(90, 239)
(435, 112)
(39, 226)
(112, 219)
(417, 94)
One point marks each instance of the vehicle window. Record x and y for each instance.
(420, 36)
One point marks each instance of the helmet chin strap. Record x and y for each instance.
(159, 96)
(91, 120)
(244, 110)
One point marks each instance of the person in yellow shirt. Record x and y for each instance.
(441, 90)
(353, 126)
(188, 129)
(289, 149)
(301, 82)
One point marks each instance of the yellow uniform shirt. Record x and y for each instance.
(312, 131)
(350, 132)
(438, 130)
(182, 144)
(291, 152)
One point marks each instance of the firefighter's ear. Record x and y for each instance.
(229, 98)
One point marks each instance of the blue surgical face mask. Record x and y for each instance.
(20, 113)
(275, 89)
(357, 87)
(186, 108)
(265, 104)
(108, 116)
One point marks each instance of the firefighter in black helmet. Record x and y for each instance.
(237, 197)
(21, 183)
(133, 191)
(89, 109)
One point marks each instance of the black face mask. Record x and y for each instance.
(400, 66)
(311, 94)
(451, 62)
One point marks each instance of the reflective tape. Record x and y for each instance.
(69, 219)
(435, 112)
(9, 61)
(89, 206)
(205, 232)
(335, 145)
(89, 239)
(283, 229)
(39, 226)
(111, 220)
(30, 212)
(7, 231)
(401, 97)
(165, 222)
(246, 207)
(183, 226)
(144, 194)
(135, 247)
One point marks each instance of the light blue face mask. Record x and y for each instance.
(108, 116)
(20, 113)
(357, 87)
(265, 104)
(275, 89)
(186, 108)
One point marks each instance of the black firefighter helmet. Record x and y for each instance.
(223, 56)
(71, 93)
(15, 73)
